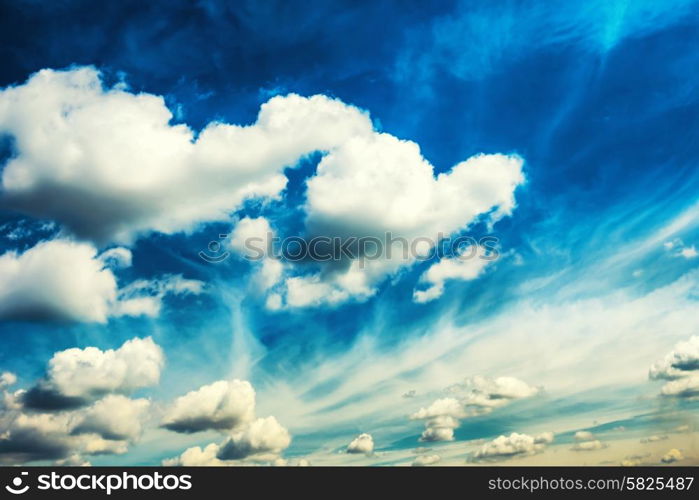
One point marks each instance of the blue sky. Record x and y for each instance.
(589, 115)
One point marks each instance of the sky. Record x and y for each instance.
(145, 145)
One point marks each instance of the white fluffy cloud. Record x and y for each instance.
(65, 280)
(482, 394)
(261, 441)
(252, 237)
(681, 368)
(475, 396)
(363, 443)
(229, 407)
(680, 362)
(196, 457)
(591, 445)
(674, 455)
(222, 405)
(108, 164)
(76, 409)
(441, 418)
(378, 184)
(687, 387)
(56, 280)
(264, 438)
(76, 376)
(513, 445)
(114, 417)
(583, 436)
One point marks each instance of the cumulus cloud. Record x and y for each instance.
(75, 377)
(363, 443)
(114, 417)
(483, 394)
(221, 405)
(591, 445)
(441, 418)
(680, 362)
(687, 387)
(107, 426)
(376, 185)
(583, 436)
(681, 368)
(424, 460)
(109, 165)
(66, 280)
(56, 279)
(475, 396)
(196, 457)
(227, 406)
(263, 438)
(674, 455)
(513, 445)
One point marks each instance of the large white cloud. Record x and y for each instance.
(109, 165)
(77, 376)
(56, 279)
(222, 405)
(227, 406)
(378, 185)
(107, 426)
(65, 280)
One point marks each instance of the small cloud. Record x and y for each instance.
(653, 439)
(513, 445)
(363, 443)
(679, 249)
(689, 252)
(592, 445)
(424, 460)
(583, 436)
(674, 455)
